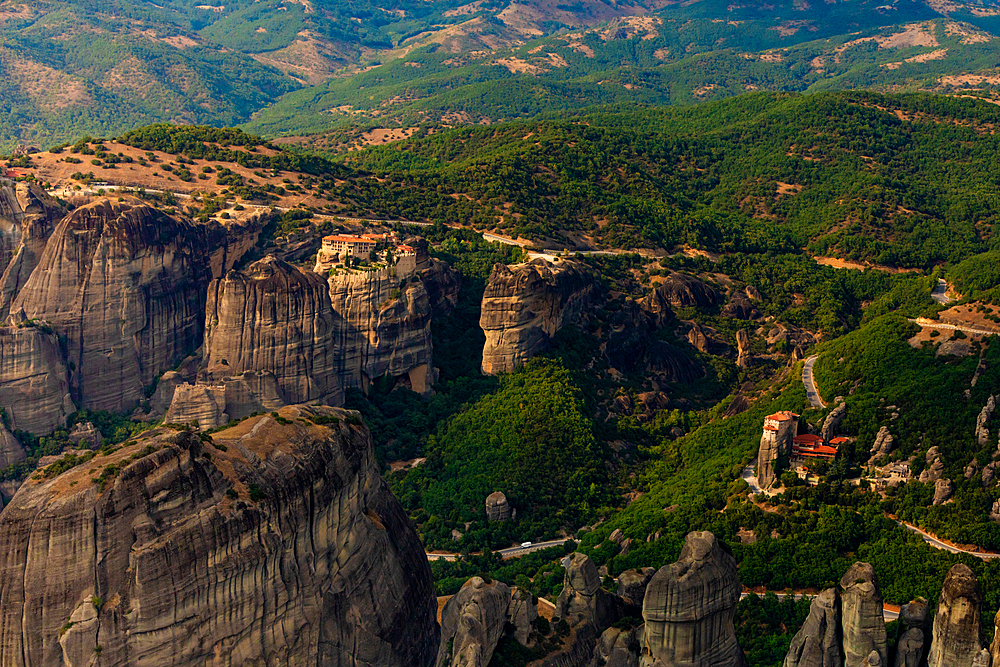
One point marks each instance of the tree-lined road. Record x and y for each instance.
(509, 552)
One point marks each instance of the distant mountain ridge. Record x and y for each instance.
(72, 67)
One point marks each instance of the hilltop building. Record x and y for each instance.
(780, 429)
(348, 246)
(811, 447)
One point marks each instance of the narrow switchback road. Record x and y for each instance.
(807, 379)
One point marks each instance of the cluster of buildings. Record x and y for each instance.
(362, 246)
(780, 438)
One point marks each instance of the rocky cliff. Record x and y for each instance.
(27, 217)
(276, 544)
(817, 643)
(525, 305)
(383, 325)
(34, 381)
(124, 284)
(275, 318)
(689, 606)
(472, 622)
(957, 638)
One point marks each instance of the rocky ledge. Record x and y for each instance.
(273, 542)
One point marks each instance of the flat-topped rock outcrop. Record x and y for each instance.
(276, 544)
(124, 284)
(273, 317)
(525, 305)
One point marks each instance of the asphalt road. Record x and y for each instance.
(930, 324)
(940, 293)
(938, 544)
(807, 379)
(510, 552)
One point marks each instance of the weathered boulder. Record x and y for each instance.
(740, 307)
(983, 420)
(982, 659)
(884, 444)
(916, 614)
(525, 305)
(833, 421)
(972, 469)
(989, 473)
(943, 490)
(679, 291)
(617, 648)
(863, 622)
(689, 606)
(273, 317)
(632, 585)
(616, 536)
(124, 285)
(581, 596)
(472, 622)
(910, 648)
(956, 638)
(873, 660)
(286, 548)
(497, 507)
(34, 380)
(522, 613)
(933, 472)
(84, 435)
(817, 643)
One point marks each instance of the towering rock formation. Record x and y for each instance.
(286, 548)
(957, 635)
(689, 606)
(525, 305)
(382, 328)
(862, 617)
(34, 382)
(522, 613)
(472, 622)
(632, 585)
(983, 420)
(582, 600)
(817, 643)
(274, 318)
(27, 217)
(124, 284)
(884, 444)
(744, 357)
(775, 441)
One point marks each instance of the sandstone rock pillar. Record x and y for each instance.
(817, 643)
(861, 611)
(956, 637)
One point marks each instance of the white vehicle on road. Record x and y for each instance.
(525, 545)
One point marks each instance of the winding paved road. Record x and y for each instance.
(940, 293)
(807, 379)
(931, 324)
(938, 544)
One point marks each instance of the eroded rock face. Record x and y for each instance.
(383, 325)
(632, 585)
(27, 217)
(326, 569)
(744, 357)
(125, 285)
(884, 444)
(522, 613)
(910, 648)
(943, 490)
(833, 421)
(34, 381)
(983, 420)
(274, 318)
(525, 305)
(679, 291)
(688, 609)
(956, 636)
(472, 622)
(863, 622)
(617, 648)
(817, 643)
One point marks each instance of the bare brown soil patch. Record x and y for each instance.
(788, 188)
(518, 66)
(838, 263)
(470, 8)
(307, 59)
(969, 315)
(45, 86)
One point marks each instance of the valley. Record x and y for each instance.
(499, 334)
